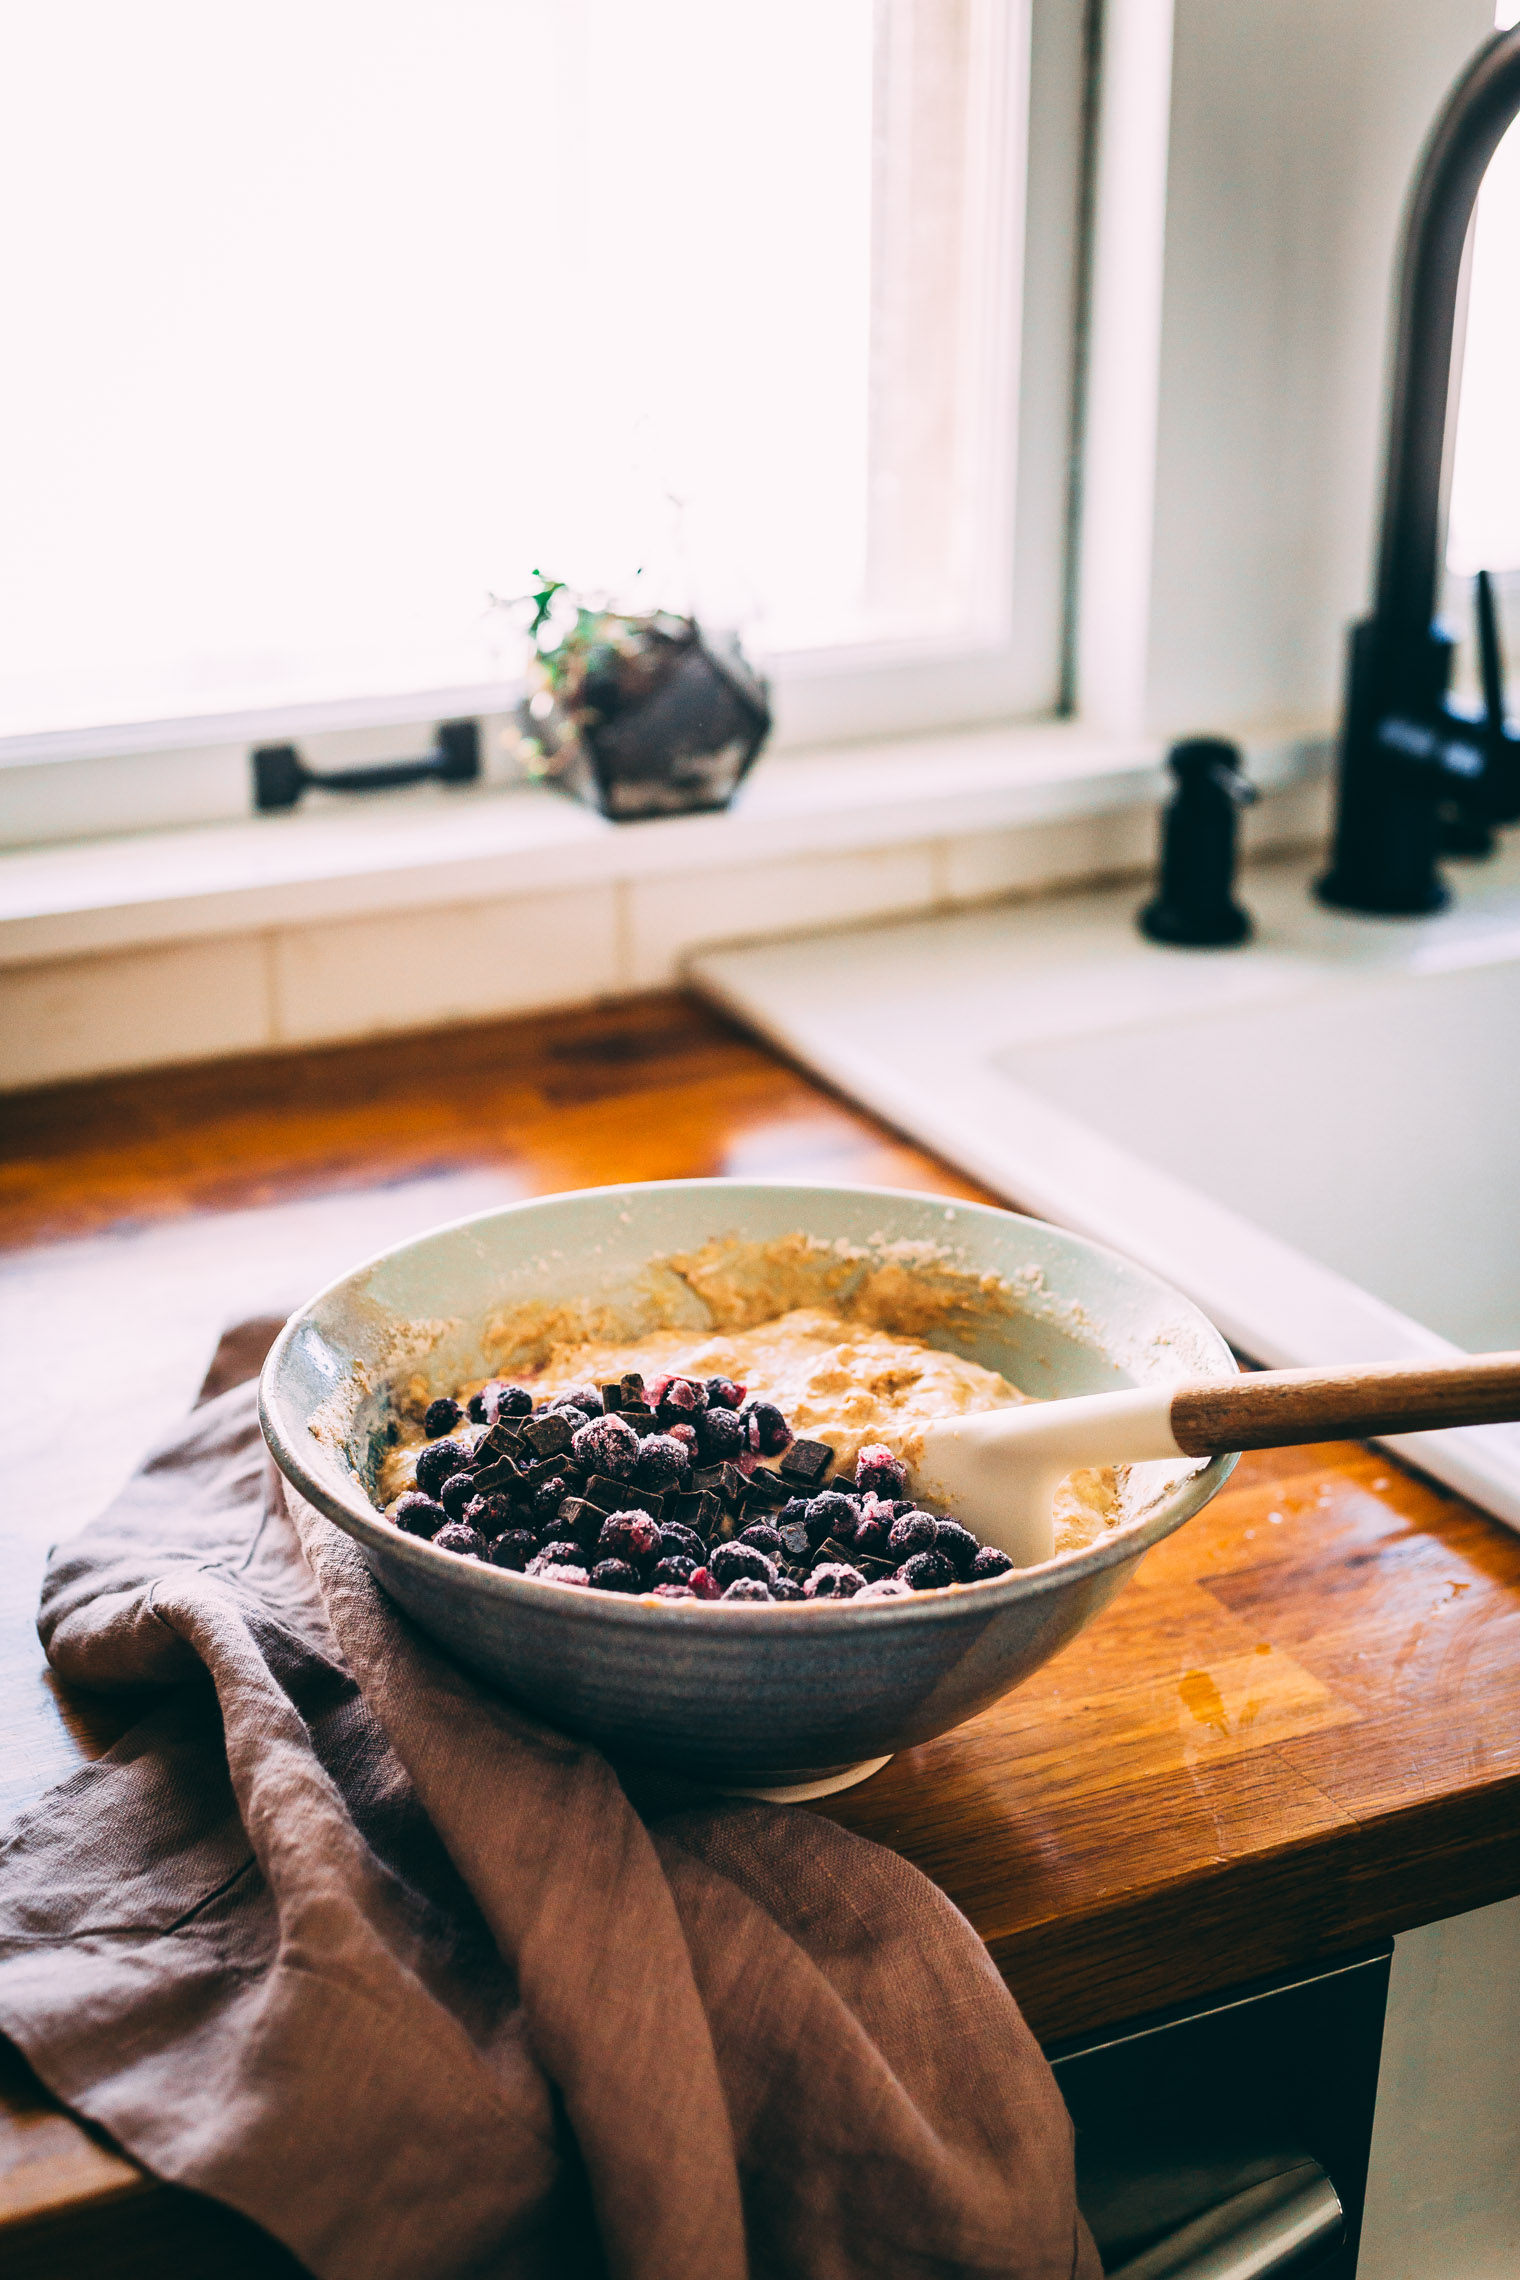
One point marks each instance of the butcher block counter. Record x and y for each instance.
(1296, 1730)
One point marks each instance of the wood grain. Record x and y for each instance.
(1274, 1409)
(1296, 1729)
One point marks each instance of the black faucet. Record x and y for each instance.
(1419, 776)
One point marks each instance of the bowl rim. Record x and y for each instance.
(951, 1603)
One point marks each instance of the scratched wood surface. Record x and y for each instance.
(1298, 1727)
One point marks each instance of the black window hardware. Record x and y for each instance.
(281, 776)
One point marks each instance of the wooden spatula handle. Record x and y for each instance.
(1277, 1409)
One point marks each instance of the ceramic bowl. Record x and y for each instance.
(794, 1699)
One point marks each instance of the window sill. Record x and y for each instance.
(352, 917)
(337, 858)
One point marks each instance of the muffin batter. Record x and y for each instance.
(836, 1380)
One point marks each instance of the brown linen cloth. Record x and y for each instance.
(405, 1976)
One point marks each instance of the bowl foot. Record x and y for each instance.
(799, 1792)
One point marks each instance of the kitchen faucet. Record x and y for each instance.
(1418, 775)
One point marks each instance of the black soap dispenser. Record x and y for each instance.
(1195, 899)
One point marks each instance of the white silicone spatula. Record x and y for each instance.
(998, 1469)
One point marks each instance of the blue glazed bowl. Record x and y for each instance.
(788, 1699)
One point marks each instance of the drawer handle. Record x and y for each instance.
(1268, 2229)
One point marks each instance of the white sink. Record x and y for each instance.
(1316, 1135)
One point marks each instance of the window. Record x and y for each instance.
(332, 319)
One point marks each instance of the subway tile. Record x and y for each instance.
(666, 917)
(362, 976)
(133, 1009)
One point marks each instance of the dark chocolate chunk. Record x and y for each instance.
(873, 1569)
(548, 1436)
(807, 1460)
(725, 1527)
(504, 1439)
(766, 1488)
(580, 1519)
(544, 1468)
(503, 1475)
(631, 1387)
(622, 1496)
(725, 1481)
(700, 1511)
(830, 1554)
(612, 1399)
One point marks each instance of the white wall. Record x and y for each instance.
(1295, 128)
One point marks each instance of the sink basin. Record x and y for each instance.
(1313, 1135)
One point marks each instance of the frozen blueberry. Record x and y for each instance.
(748, 1587)
(831, 1515)
(513, 1548)
(679, 1393)
(457, 1491)
(720, 1436)
(548, 1496)
(631, 1537)
(879, 1473)
(490, 1514)
(419, 1515)
(886, 1587)
(607, 1445)
(927, 1571)
(442, 1416)
(674, 1568)
(437, 1461)
(793, 1512)
(687, 1436)
(673, 1591)
(663, 1462)
(762, 1537)
(562, 1555)
(730, 1561)
(586, 1398)
(704, 1584)
(914, 1532)
(498, 1399)
(958, 1544)
(556, 1571)
(678, 1540)
(769, 1431)
(871, 1533)
(454, 1536)
(990, 1561)
(614, 1575)
(722, 1393)
(833, 1581)
(785, 1587)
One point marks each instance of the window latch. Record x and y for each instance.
(280, 775)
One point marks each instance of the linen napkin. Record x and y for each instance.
(419, 1985)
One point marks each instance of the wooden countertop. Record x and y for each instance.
(1297, 1729)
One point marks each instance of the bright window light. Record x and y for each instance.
(330, 319)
